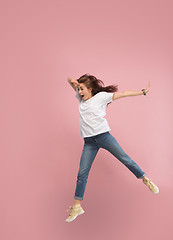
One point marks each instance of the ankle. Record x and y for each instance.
(76, 206)
(77, 202)
(144, 179)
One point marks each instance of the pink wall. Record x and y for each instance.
(121, 42)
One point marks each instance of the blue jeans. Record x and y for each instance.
(90, 149)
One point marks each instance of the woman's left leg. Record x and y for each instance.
(110, 144)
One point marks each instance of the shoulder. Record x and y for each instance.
(105, 97)
(104, 94)
(101, 94)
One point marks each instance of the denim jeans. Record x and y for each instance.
(90, 149)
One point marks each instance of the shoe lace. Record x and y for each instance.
(150, 184)
(71, 209)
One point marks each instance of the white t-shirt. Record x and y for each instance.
(92, 112)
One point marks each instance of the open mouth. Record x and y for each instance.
(82, 95)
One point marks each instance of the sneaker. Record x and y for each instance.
(74, 212)
(151, 185)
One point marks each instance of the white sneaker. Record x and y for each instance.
(151, 185)
(74, 212)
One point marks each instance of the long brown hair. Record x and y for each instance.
(97, 85)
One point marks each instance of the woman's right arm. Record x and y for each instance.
(73, 82)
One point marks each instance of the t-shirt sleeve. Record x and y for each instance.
(77, 95)
(107, 97)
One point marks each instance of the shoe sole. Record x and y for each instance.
(75, 216)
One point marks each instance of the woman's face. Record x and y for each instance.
(84, 92)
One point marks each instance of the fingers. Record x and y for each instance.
(76, 82)
(147, 89)
(73, 81)
(70, 79)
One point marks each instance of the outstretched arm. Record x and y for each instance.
(73, 82)
(129, 93)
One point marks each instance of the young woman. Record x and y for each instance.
(93, 99)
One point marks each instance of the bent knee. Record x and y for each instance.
(82, 176)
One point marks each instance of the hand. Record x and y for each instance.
(147, 89)
(74, 81)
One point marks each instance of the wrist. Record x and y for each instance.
(143, 92)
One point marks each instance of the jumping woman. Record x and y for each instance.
(93, 99)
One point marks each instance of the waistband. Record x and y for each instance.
(96, 135)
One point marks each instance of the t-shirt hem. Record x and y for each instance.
(92, 135)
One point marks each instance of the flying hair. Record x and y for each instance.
(95, 84)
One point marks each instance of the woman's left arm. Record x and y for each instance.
(129, 93)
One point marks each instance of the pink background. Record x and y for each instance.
(121, 42)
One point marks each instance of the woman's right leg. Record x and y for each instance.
(88, 155)
(89, 152)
